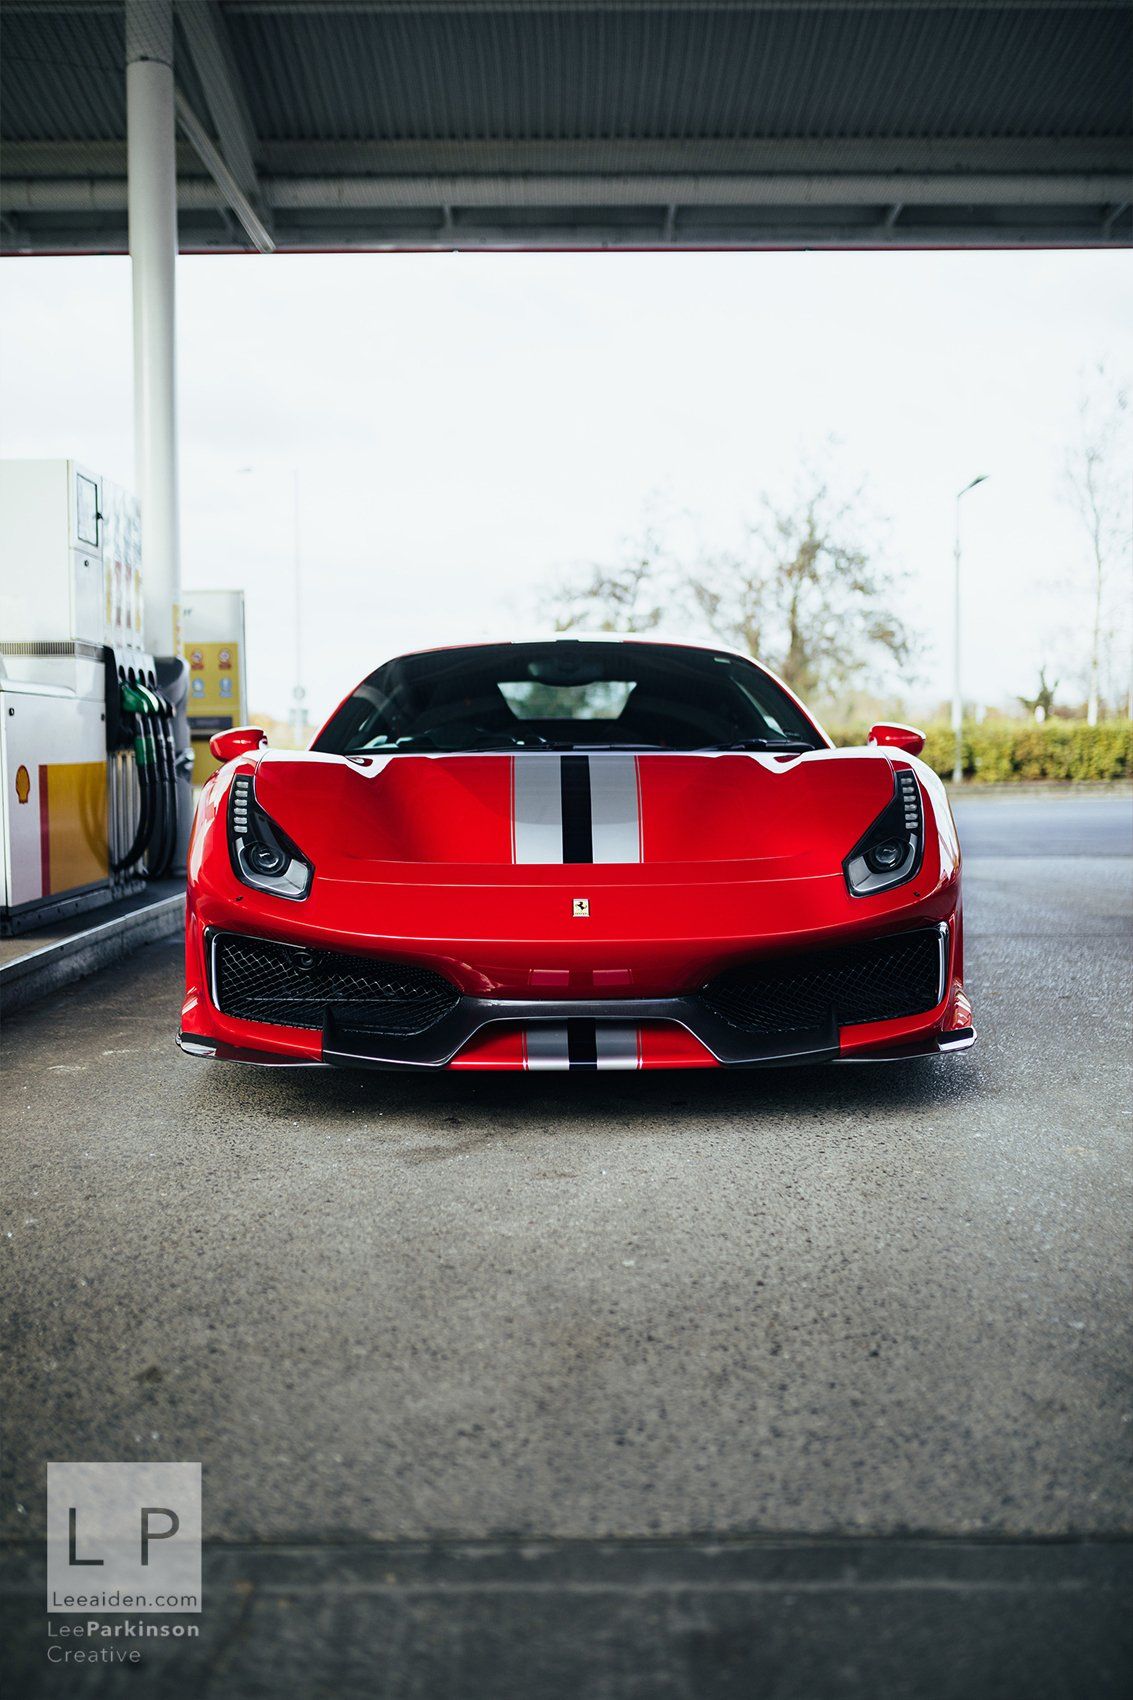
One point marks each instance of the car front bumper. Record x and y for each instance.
(682, 1029)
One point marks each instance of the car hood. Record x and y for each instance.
(541, 811)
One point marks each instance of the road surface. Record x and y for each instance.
(840, 1304)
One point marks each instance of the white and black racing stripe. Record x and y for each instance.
(615, 807)
(580, 1044)
(545, 1045)
(618, 1047)
(536, 809)
(576, 808)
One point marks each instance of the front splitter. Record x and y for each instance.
(940, 1044)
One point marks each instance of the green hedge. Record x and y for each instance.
(1000, 751)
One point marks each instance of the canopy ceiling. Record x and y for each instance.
(585, 123)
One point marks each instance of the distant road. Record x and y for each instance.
(1045, 826)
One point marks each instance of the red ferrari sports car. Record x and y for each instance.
(582, 853)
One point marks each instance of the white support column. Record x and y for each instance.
(152, 191)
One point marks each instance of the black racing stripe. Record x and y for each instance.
(582, 1043)
(578, 833)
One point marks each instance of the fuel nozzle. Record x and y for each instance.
(136, 701)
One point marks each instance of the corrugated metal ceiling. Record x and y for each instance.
(341, 75)
(315, 76)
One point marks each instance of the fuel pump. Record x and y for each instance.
(95, 747)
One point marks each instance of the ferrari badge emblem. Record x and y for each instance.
(581, 908)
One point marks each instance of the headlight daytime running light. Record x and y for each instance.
(891, 851)
(262, 854)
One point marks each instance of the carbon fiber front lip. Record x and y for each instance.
(343, 1047)
(938, 1044)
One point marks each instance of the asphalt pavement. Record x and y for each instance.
(839, 1333)
(1001, 824)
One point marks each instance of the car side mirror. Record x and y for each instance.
(237, 741)
(896, 737)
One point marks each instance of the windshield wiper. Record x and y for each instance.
(487, 742)
(762, 744)
(411, 743)
(582, 749)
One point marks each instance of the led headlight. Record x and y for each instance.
(262, 854)
(891, 851)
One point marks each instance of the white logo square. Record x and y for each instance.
(123, 1537)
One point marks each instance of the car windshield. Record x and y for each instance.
(567, 695)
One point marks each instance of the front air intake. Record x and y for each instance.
(289, 986)
(880, 980)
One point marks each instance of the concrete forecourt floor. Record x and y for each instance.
(809, 1383)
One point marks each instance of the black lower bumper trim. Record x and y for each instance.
(348, 1047)
(934, 1045)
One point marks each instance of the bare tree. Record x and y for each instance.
(1040, 705)
(631, 596)
(806, 591)
(1097, 478)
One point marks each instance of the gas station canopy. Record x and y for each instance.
(584, 123)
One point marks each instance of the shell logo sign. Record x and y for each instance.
(23, 784)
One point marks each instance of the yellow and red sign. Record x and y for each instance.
(215, 698)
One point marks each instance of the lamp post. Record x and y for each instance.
(298, 694)
(957, 691)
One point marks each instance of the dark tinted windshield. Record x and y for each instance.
(567, 695)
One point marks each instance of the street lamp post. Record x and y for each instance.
(298, 694)
(957, 689)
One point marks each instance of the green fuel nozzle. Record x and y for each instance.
(136, 701)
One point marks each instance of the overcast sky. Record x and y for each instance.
(465, 425)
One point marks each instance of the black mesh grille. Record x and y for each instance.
(289, 987)
(878, 981)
